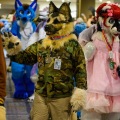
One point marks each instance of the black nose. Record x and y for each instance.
(47, 28)
(10, 45)
(24, 19)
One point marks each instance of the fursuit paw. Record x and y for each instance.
(20, 95)
(31, 98)
(2, 113)
(89, 50)
(78, 99)
(11, 43)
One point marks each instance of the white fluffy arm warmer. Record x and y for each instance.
(78, 99)
(89, 51)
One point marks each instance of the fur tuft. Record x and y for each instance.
(78, 99)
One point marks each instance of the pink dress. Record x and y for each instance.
(103, 89)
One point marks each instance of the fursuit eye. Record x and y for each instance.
(21, 12)
(29, 13)
(111, 21)
(56, 21)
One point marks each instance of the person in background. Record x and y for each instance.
(79, 26)
(91, 20)
(2, 80)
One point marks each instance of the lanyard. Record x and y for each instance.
(109, 46)
(112, 64)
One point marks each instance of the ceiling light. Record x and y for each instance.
(47, 0)
(63, 0)
(108, 1)
(100, 0)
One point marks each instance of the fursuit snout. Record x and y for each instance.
(50, 29)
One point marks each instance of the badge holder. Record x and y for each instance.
(57, 64)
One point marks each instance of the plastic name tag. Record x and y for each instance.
(57, 64)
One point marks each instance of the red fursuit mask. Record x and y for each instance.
(109, 10)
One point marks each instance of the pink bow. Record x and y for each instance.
(110, 13)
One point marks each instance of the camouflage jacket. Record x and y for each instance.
(56, 83)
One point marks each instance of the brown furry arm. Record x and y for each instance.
(2, 74)
(28, 56)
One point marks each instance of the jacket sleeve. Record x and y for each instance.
(2, 74)
(28, 56)
(80, 67)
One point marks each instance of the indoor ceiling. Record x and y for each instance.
(8, 5)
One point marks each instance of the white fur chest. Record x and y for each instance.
(25, 32)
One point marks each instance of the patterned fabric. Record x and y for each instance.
(56, 83)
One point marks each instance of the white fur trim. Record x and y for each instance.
(33, 39)
(78, 99)
(106, 7)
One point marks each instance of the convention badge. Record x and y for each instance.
(57, 64)
(110, 54)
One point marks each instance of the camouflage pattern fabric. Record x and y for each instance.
(54, 83)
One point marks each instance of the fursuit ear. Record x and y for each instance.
(33, 5)
(52, 8)
(65, 10)
(17, 4)
(69, 3)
